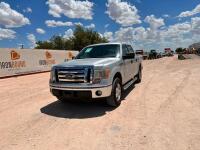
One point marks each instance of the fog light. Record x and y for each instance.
(98, 93)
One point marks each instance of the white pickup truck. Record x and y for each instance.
(98, 71)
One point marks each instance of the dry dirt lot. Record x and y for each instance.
(161, 113)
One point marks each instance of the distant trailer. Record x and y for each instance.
(168, 50)
(141, 52)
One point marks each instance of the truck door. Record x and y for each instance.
(126, 65)
(134, 62)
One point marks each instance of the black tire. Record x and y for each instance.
(139, 75)
(115, 100)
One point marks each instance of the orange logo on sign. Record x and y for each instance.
(70, 55)
(48, 55)
(14, 55)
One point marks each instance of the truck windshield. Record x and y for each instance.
(100, 51)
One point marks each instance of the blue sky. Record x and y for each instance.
(146, 24)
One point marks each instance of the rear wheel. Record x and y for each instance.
(116, 94)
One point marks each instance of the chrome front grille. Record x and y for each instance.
(74, 75)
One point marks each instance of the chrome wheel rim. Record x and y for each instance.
(118, 92)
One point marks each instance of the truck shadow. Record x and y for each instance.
(127, 92)
(80, 109)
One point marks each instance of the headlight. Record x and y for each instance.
(101, 74)
(52, 76)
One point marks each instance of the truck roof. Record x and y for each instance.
(108, 43)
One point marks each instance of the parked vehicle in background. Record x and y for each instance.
(146, 55)
(169, 52)
(141, 53)
(163, 54)
(159, 55)
(153, 54)
(198, 51)
(98, 71)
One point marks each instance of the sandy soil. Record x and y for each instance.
(161, 113)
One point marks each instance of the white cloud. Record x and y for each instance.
(195, 11)
(154, 22)
(32, 40)
(53, 23)
(166, 16)
(124, 34)
(108, 35)
(68, 34)
(27, 10)
(107, 25)
(195, 23)
(78, 23)
(176, 30)
(71, 8)
(180, 34)
(152, 32)
(91, 26)
(40, 31)
(101, 35)
(11, 18)
(7, 34)
(140, 33)
(122, 12)
(185, 27)
(158, 36)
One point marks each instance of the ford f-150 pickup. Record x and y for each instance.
(98, 71)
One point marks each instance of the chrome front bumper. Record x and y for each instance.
(106, 90)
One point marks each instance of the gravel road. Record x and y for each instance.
(161, 113)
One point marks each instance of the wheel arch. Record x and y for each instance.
(117, 75)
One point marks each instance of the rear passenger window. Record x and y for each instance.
(130, 49)
(125, 50)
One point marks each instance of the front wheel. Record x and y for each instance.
(116, 94)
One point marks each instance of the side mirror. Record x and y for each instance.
(129, 56)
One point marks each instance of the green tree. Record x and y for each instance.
(44, 45)
(68, 44)
(81, 38)
(58, 42)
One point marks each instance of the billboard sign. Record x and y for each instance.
(25, 61)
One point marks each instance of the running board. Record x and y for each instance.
(127, 85)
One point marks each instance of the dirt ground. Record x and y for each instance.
(161, 113)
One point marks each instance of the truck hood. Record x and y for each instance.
(90, 62)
